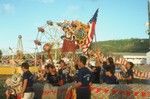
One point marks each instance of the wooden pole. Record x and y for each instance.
(149, 22)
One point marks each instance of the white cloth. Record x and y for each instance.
(28, 95)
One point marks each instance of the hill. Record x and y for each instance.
(124, 45)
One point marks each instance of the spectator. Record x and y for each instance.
(96, 74)
(102, 72)
(52, 77)
(110, 64)
(63, 73)
(27, 89)
(109, 77)
(128, 75)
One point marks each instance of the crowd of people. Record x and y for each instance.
(85, 74)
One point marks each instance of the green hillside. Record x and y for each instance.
(125, 45)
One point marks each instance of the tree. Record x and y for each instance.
(1, 55)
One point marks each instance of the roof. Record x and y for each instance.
(130, 54)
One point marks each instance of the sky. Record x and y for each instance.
(117, 19)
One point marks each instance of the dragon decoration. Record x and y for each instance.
(75, 30)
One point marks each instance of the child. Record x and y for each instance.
(109, 77)
(52, 77)
(128, 75)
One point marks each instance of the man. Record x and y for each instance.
(63, 73)
(52, 77)
(109, 77)
(83, 80)
(27, 83)
(110, 64)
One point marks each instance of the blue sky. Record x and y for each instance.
(117, 19)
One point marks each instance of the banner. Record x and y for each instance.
(98, 91)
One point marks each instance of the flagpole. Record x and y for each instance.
(95, 40)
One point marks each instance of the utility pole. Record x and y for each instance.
(149, 22)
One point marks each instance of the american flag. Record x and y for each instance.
(91, 33)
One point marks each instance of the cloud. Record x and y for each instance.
(7, 8)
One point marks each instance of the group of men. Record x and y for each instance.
(83, 78)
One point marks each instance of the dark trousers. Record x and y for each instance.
(83, 93)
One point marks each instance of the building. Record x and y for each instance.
(136, 58)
